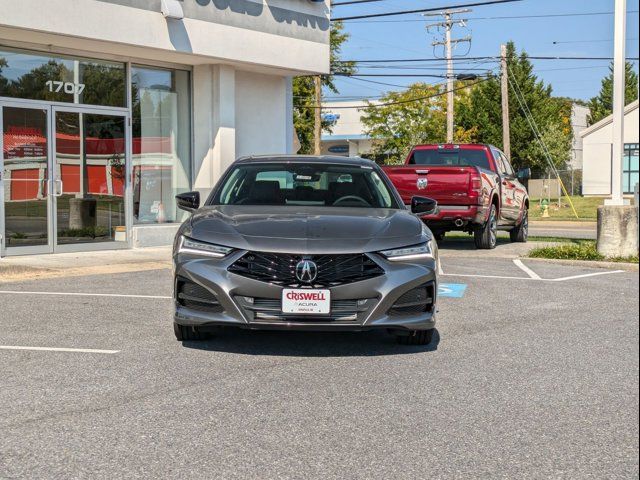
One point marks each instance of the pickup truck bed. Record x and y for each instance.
(469, 182)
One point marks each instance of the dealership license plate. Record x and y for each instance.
(306, 302)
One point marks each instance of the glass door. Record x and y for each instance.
(89, 177)
(25, 179)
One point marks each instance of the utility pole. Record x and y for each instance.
(317, 121)
(448, 43)
(618, 102)
(506, 127)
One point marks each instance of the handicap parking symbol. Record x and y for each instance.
(452, 290)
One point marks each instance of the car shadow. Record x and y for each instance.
(466, 244)
(309, 344)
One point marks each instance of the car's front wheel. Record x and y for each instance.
(186, 333)
(416, 337)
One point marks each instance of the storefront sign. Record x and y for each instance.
(339, 149)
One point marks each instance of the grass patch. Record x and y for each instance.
(587, 208)
(577, 250)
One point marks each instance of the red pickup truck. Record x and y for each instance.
(475, 186)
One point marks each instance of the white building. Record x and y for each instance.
(109, 108)
(579, 121)
(597, 154)
(347, 137)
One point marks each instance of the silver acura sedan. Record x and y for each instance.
(305, 243)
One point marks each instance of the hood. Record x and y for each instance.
(293, 229)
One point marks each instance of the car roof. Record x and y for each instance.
(306, 159)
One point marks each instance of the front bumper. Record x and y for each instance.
(374, 297)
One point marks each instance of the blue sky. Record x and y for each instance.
(406, 37)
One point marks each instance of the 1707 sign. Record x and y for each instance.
(66, 87)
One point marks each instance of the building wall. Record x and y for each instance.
(290, 35)
(579, 116)
(597, 150)
(261, 114)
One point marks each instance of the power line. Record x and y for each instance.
(530, 57)
(354, 2)
(423, 10)
(399, 102)
(507, 17)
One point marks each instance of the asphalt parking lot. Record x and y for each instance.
(534, 374)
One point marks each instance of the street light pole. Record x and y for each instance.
(618, 103)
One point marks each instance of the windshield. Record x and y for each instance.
(305, 185)
(450, 157)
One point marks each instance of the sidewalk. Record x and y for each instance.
(84, 263)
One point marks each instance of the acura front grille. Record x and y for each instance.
(332, 270)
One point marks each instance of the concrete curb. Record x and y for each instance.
(629, 267)
(19, 273)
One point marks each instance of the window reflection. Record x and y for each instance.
(25, 175)
(55, 78)
(161, 143)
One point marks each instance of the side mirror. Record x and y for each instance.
(524, 174)
(423, 205)
(189, 201)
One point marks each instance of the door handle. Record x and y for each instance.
(58, 193)
(422, 172)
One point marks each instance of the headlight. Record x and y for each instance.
(423, 250)
(194, 247)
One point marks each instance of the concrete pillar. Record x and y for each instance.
(618, 230)
(214, 129)
(290, 131)
(82, 213)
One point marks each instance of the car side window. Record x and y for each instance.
(507, 166)
(499, 163)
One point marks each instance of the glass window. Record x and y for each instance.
(508, 169)
(450, 157)
(55, 78)
(631, 167)
(161, 143)
(313, 185)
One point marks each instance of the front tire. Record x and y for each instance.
(520, 234)
(416, 337)
(186, 333)
(486, 236)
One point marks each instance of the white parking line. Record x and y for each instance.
(586, 275)
(526, 269)
(564, 279)
(56, 349)
(77, 294)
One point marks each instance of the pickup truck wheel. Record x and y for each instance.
(520, 234)
(486, 236)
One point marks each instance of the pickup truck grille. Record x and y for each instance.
(332, 270)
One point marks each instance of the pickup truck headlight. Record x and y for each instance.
(195, 247)
(414, 252)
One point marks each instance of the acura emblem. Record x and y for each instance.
(306, 271)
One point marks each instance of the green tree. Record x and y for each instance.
(413, 116)
(601, 106)
(552, 116)
(304, 90)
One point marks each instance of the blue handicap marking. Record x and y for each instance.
(452, 290)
